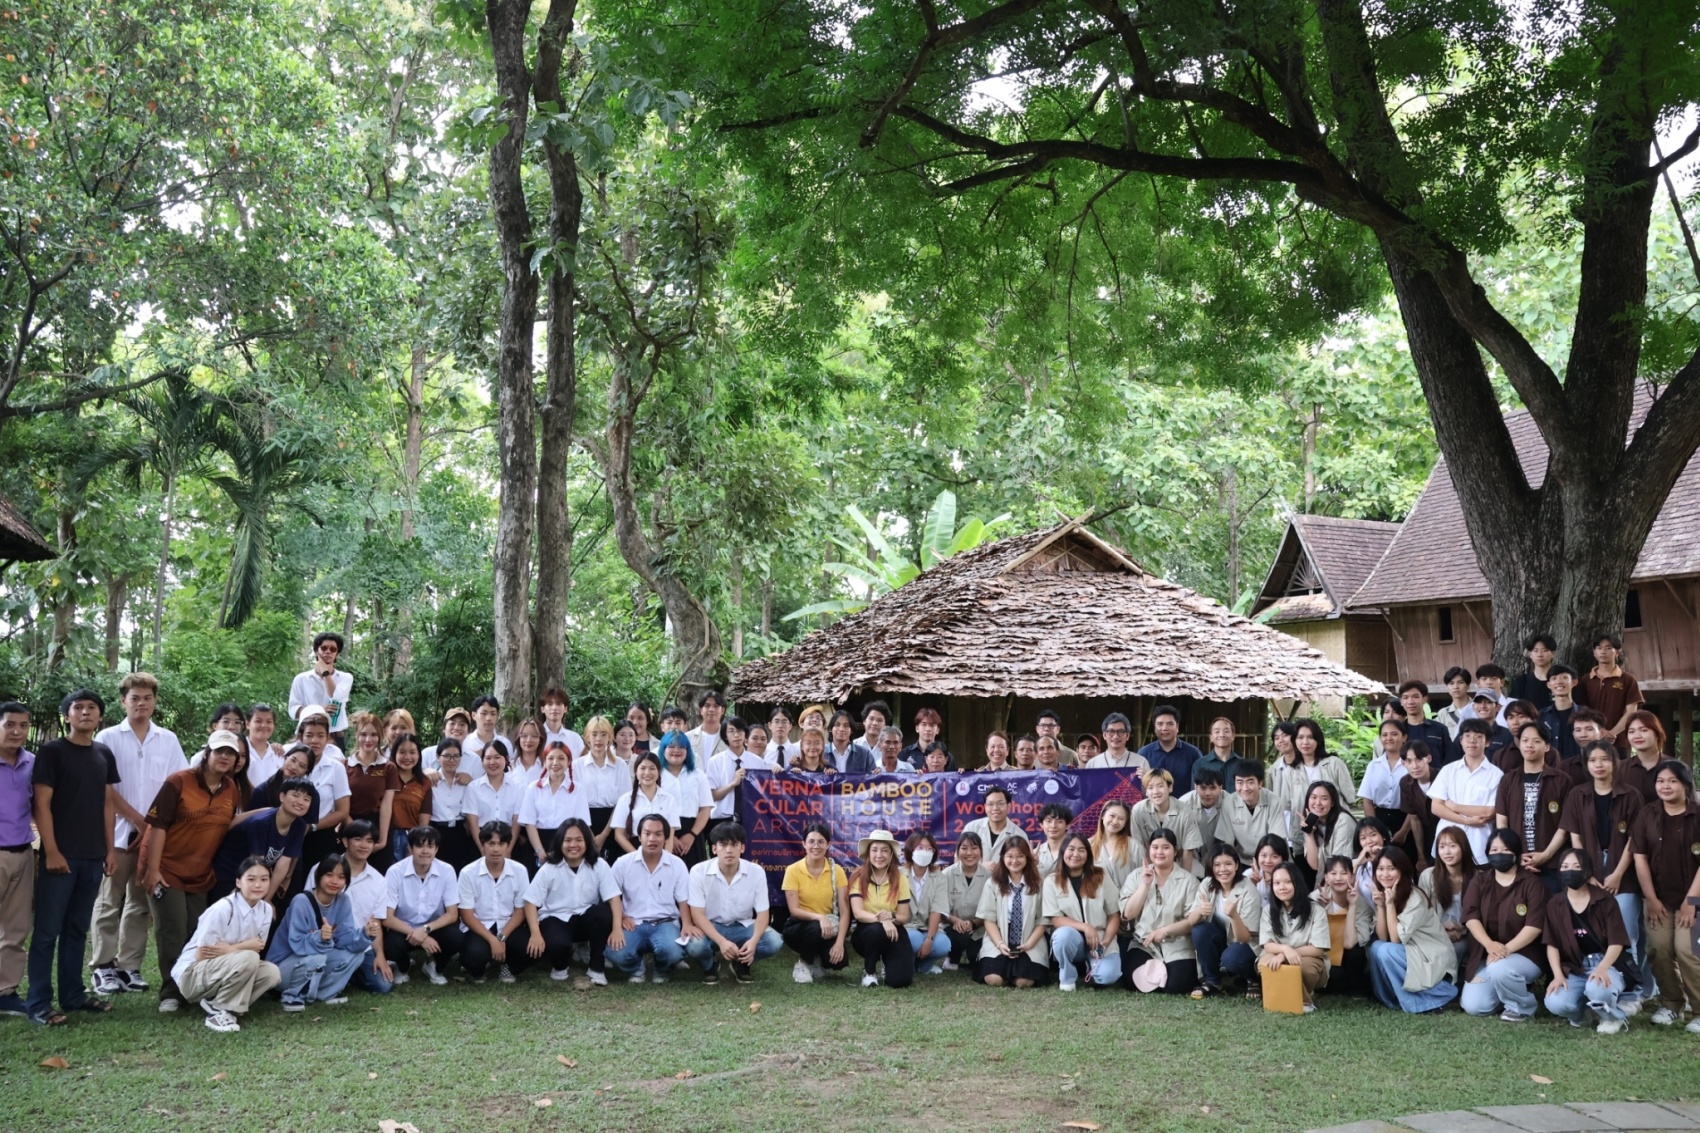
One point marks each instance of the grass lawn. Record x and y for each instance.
(944, 1055)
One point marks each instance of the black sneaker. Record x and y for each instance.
(133, 981)
(742, 973)
(712, 976)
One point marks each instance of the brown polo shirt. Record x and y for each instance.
(1512, 802)
(1672, 845)
(1601, 916)
(1639, 779)
(1610, 697)
(366, 788)
(1581, 819)
(412, 798)
(1505, 911)
(193, 821)
(1413, 800)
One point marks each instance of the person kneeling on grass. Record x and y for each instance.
(1084, 912)
(421, 908)
(320, 945)
(879, 906)
(1295, 931)
(1586, 942)
(220, 966)
(654, 915)
(492, 905)
(572, 900)
(729, 904)
(1014, 952)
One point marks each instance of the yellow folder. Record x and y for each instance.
(1284, 989)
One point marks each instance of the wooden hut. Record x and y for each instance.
(19, 542)
(1052, 619)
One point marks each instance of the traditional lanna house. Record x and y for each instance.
(1057, 619)
(19, 542)
(1434, 599)
(1320, 565)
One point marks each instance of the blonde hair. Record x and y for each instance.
(599, 724)
(402, 716)
(361, 719)
(1159, 775)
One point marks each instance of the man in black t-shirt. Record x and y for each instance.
(74, 813)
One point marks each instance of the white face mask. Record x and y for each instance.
(922, 858)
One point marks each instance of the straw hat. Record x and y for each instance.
(884, 836)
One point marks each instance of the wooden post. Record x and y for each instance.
(1685, 725)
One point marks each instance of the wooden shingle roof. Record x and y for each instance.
(1052, 613)
(1431, 559)
(1321, 563)
(19, 542)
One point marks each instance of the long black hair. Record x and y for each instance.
(631, 804)
(1279, 914)
(556, 857)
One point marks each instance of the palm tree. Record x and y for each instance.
(264, 467)
(171, 437)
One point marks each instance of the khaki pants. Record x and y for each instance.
(174, 918)
(1674, 965)
(1313, 970)
(232, 981)
(17, 904)
(121, 918)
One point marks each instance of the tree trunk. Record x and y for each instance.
(696, 640)
(554, 534)
(412, 448)
(117, 592)
(1231, 506)
(516, 434)
(159, 574)
(737, 581)
(65, 594)
(1311, 427)
(766, 607)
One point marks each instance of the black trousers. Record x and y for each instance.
(873, 946)
(1183, 974)
(964, 947)
(590, 927)
(400, 954)
(804, 938)
(1351, 975)
(1021, 967)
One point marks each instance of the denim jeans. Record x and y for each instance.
(1068, 945)
(368, 973)
(1503, 982)
(1631, 905)
(1576, 996)
(1216, 955)
(1387, 966)
(659, 938)
(702, 950)
(317, 975)
(64, 908)
(926, 965)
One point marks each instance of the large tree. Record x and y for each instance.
(1427, 127)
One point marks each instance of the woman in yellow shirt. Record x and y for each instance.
(879, 904)
(817, 895)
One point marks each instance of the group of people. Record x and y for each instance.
(1480, 854)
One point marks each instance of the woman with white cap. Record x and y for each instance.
(879, 908)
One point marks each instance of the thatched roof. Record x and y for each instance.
(1048, 614)
(19, 542)
(1321, 564)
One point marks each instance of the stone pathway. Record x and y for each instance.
(1577, 1117)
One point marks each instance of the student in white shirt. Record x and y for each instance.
(265, 758)
(553, 704)
(1464, 791)
(727, 769)
(324, 684)
(605, 777)
(448, 804)
(729, 906)
(654, 906)
(779, 748)
(647, 797)
(221, 966)
(572, 899)
(422, 909)
(682, 776)
(705, 738)
(368, 891)
(486, 711)
(330, 778)
(494, 798)
(457, 722)
(551, 800)
(492, 903)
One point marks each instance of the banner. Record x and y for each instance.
(777, 808)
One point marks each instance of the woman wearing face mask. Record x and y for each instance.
(1412, 964)
(1586, 940)
(1666, 842)
(920, 853)
(1504, 910)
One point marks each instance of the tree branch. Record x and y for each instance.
(82, 397)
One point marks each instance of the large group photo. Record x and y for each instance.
(703, 565)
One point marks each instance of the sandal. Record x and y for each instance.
(1199, 992)
(1254, 993)
(94, 1006)
(48, 1019)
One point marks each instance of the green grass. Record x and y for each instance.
(944, 1055)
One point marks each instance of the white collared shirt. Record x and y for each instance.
(727, 902)
(574, 741)
(416, 899)
(493, 900)
(603, 785)
(721, 770)
(1381, 783)
(142, 768)
(263, 763)
(630, 811)
(562, 892)
(652, 895)
(331, 778)
(527, 775)
(473, 748)
(229, 920)
(1456, 783)
(706, 744)
(493, 804)
(546, 807)
(309, 688)
(1105, 759)
(448, 798)
(691, 789)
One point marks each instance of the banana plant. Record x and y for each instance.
(889, 567)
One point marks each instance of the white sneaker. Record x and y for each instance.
(636, 977)
(1510, 1016)
(294, 1006)
(659, 977)
(168, 1006)
(335, 1000)
(599, 979)
(1310, 1009)
(948, 964)
(1693, 1027)
(400, 978)
(870, 980)
(133, 980)
(1065, 987)
(506, 974)
(1663, 1017)
(433, 975)
(801, 973)
(560, 973)
(1610, 1026)
(107, 981)
(1629, 1007)
(223, 1022)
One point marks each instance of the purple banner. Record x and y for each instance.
(777, 808)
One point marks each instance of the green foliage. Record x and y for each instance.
(1352, 736)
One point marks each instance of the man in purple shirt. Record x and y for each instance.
(17, 861)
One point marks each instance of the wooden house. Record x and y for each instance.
(1434, 599)
(1052, 619)
(19, 542)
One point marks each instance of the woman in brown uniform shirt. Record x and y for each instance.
(1666, 842)
(1586, 942)
(1504, 910)
(1597, 819)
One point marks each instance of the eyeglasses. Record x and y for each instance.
(1115, 731)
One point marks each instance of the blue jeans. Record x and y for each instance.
(703, 951)
(1503, 982)
(659, 938)
(1216, 955)
(930, 963)
(1387, 967)
(317, 975)
(369, 977)
(1068, 945)
(1640, 965)
(1576, 996)
(64, 909)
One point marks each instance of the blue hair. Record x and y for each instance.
(679, 738)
